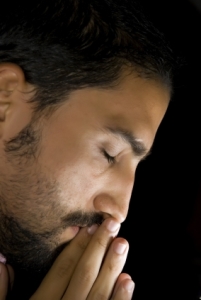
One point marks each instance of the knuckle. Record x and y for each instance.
(113, 267)
(87, 275)
(64, 266)
(82, 245)
(99, 296)
(101, 242)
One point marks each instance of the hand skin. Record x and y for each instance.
(89, 268)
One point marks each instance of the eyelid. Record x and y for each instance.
(110, 159)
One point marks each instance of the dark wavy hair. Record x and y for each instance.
(65, 45)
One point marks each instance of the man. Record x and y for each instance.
(84, 86)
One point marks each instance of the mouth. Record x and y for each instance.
(75, 229)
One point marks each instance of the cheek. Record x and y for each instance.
(77, 185)
(76, 168)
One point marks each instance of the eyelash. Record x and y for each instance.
(110, 159)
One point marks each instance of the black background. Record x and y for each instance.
(161, 250)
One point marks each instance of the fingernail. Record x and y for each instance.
(129, 286)
(92, 229)
(120, 248)
(112, 225)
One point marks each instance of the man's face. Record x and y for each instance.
(71, 180)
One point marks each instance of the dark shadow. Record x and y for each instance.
(162, 252)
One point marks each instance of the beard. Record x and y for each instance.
(31, 218)
(31, 255)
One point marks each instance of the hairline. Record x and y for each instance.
(125, 71)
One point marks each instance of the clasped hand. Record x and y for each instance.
(89, 268)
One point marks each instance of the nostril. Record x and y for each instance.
(114, 204)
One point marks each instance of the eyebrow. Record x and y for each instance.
(138, 147)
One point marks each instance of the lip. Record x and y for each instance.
(69, 233)
(75, 229)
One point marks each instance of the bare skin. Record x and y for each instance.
(101, 258)
(74, 147)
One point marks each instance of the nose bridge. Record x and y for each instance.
(114, 198)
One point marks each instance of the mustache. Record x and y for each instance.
(82, 219)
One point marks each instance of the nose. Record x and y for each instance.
(114, 198)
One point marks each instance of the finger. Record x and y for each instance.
(56, 281)
(124, 289)
(121, 277)
(90, 263)
(4, 279)
(110, 270)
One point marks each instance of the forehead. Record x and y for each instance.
(135, 104)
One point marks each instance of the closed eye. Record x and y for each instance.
(110, 159)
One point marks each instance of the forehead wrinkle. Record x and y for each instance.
(137, 145)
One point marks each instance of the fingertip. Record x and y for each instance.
(91, 230)
(129, 285)
(120, 246)
(125, 286)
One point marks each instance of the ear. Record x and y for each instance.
(15, 111)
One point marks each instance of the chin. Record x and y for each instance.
(28, 279)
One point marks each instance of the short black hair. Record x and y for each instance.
(65, 45)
